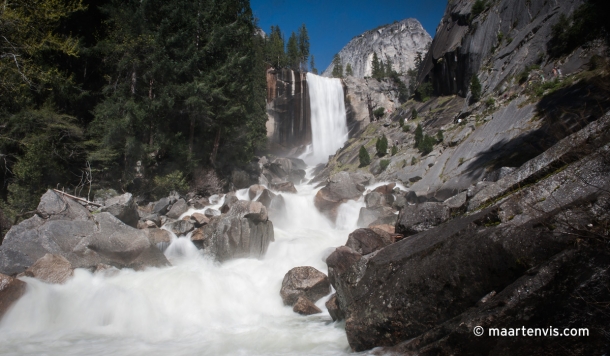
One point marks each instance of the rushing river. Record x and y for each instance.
(198, 306)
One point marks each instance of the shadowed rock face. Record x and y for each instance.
(11, 289)
(461, 46)
(289, 123)
(399, 41)
(66, 228)
(424, 286)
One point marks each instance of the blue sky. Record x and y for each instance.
(332, 24)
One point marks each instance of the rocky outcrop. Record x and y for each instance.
(365, 241)
(64, 227)
(448, 275)
(400, 42)
(288, 112)
(243, 231)
(11, 289)
(421, 217)
(304, 282)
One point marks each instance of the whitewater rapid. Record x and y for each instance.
(197, 306)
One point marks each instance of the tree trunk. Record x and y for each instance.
(215, 150)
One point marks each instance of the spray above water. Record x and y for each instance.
(328, 121)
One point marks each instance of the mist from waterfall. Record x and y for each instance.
(328, 121)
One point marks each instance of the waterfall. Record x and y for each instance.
(328, 122)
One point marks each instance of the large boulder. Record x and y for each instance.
(375, 200)
(66, 228)
(275, 204)
(421, 217)
(11, 289)
(365, 241)
(161, 206)
(124, 208)
(341, 187)
(334, 309)
(180, 227)
(305, 282)
(244, 231)
(180, 207)
(376, 216)
(52, 269)
(255, 190)
(284, 187)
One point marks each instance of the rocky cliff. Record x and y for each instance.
(496, 44)
(288, 111)
(400, 42)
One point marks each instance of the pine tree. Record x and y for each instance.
(475, 89)
(364, 157)
(376, 67)
(293, 53)
(419, 135)
(382, 146)
(312, 65)
(348, 70)
(337, 67)
(303, 44)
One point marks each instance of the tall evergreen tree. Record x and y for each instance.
(303, 44)
(348, 70)
(312, 65)
(293, 53)
(338, 67)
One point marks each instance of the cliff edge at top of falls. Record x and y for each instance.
(400, 42)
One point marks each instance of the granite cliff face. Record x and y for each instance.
(288, 109)
(498, 43)
(399, 41)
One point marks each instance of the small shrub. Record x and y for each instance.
(406, 128)
(401, 122)
(364, 157)
(379, 112)
(394, 150)
(439, 136)
(490, 102)
(461, 161)
(384, 163)
(382, 146)
(413, 161)
(478, 7)
(413, 114)
(174, 181)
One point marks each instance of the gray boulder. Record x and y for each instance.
(284, 187)
(124, 208)
(341, 187)
(421, 217)
(180, 207)
(160, 207)
(52, 269)
(305, 282)
(85, 240)
(381, 215)
(244, 231)
(374, 200)
(365, 241)
(181, 227)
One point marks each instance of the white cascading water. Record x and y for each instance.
(328, 121)
(198, 306)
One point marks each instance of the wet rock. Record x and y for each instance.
(180, 207)
(83, 239)
(341, 187)
(156, 236)
(285, 187)
(385, 189)
(11, 289)
(377, 216)
(200, 219)
(124, 208)
(154, 218)
(210, 213)
(285, 164)
(180, 227)
(200, 203)
(230, 199)
(374, 200)
(334, 309)
(421, 217)
(400, 202)
(390, 229)
(297, 176)
(243, 231)
(305, 282)
(304, 306)
(277, 170)
(161, 207)
(365, 241)
(255, 190)
(266, 198)
(52, 269)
